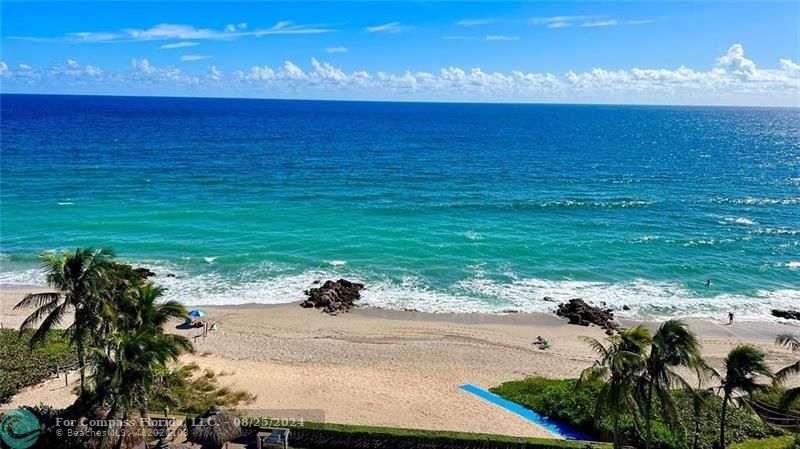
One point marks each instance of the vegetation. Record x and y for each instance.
(742, 366)
(673, 346)
(117, 333)
(792, 395)
(619, 366)
(187, 390)
(784, 442)
(637, 373)
(79, 280)
(559, 399)
(332, 436)
(21, 365)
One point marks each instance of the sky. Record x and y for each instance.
(659, 52)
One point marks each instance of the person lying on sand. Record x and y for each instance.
(541, 343)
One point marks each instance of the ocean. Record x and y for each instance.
(435, 207)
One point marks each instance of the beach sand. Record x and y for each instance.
(393, 368)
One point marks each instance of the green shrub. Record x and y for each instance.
(558, 398)
(784, 442)
(182, 389)
(21, 366)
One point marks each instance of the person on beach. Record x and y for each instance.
(730, 318)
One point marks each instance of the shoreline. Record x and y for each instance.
(396, 368)
(537, 317)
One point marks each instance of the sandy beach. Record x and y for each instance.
(393, 368)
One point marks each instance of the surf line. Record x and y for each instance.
(560, 429)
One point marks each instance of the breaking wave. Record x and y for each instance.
(276, 284)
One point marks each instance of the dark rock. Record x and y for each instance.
(171, 275)
(577, 311)
(626, 307)
(333, 296)
(788, 314)
(549, 299)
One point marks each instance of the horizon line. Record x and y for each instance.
(332, 100)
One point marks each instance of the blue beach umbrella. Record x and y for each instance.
(197, 313)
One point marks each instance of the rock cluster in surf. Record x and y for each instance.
(579, 312)
(333, 296)
(788, 314)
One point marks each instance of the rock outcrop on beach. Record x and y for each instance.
(334, 296)
(579, 312)
(788, 314)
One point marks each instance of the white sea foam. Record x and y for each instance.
(472, 235)
(739, 220)
(337, 263)
(794, 265)
(210, 259)
(778, 231)
(66, 203)
(750, 201)
(277, 284)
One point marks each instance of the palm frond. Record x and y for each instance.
(789, 340)
(787, 372)
(789, 397)
(37, 300)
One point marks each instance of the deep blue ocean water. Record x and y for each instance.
(440, 207)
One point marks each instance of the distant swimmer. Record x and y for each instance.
(708, 283)
(730, 317)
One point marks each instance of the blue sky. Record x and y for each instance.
(637, 52)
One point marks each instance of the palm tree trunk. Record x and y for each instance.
(696, 403)
(648, 410)
(82, 367)
(616, 431)
(725, 400)
(121, 438)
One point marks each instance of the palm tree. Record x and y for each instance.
(742, 365)
(78, 280)
(136, 351)
(792, 342)
(674, 345)
(620, 363)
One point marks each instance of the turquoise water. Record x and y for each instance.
(438, 207)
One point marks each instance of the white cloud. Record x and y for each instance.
(169, 31)
(75, 70)
(145, 72)
(587, 21)
(640, 22)
(231, 27)
(500, 37)
(734, 60)
(339, 49)
(391, 27)
(600, 23)
(214, 74)
(731, 79)
(561, 19)
(292, 71)
(184, 44)
(190, 58)
(473, 22)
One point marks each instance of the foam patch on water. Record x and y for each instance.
(337, 263)
(739, 220)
